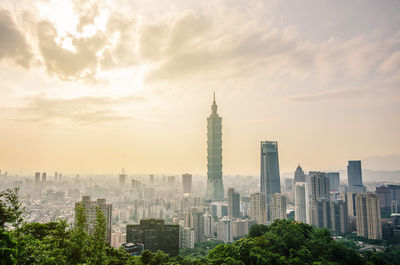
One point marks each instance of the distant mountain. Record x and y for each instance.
(388, 162)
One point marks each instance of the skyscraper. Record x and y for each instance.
(187, 183)
(122, 178)
(270, 178)
(334, 180)
(43, 176)
(225, 230)
(339, 216)
(299, 175)
(215, 188)
(368, 215)
(320, 187)
(258, 210)
(302, 204)
(354, 176)
(233, 203)
(277, 206)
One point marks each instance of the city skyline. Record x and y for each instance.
(128, 84)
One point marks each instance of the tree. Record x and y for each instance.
(98, 240)
(257, 230)
(7, 248)
(10, 208)
(77, 247)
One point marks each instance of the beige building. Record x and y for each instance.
(368, 216)
(277, 207)
(258, 211)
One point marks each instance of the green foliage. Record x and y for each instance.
(98, 244)
(200, 250)
(7, 248)
(10, 208)
(257, 230)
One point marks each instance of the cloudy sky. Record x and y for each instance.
(94, 86)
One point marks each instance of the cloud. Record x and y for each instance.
(82, 110)
(391, 64)
(13, 45)
(331, 95)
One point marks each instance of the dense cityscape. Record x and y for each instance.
(173, 213)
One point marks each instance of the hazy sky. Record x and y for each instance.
(98, 85)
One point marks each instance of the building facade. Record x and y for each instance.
(258, 210)
(278, 206)
(187, 183)
(302, 202)
(215, 187)
(233, 203)
(368, 216)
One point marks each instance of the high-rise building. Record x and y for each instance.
(384, 195)
(215, 187)
(299, 175)
(233, 203)
(171, 181)
(277, 207)
(334, 180)
(151, 180)
(37, 177)
(219, 209)
(270, 178)
(320, 211)
(187, 183)
(225, 230)
(44, 177)
(208, 225)
(258, 210)
(90, 211)
(368, 216)
(241, 227)
(354, 176)
(186, 237)
(122, 178)
(195, 220)
(339, 216)
(155, 235)
(302, 202)
(320, 187)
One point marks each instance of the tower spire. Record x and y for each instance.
(214, 97)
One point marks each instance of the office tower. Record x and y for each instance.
(258, 211)
(299, 175)
(270, 179)
(225, 230)
(320, 211)
(122, 178)
(171, 181)
(155, 235)
(302, 202)
(368, 216)
(339, 216)
(288, 184)
(334, 180)
(195, 220)
(384, 195)
(208, 225)
(354, 176)
(319, 185)
(215, 188)
(277, 206)
(44, 176)
(394, 207)
(219, 209)
(233, 203)
(55, 175)
(186, 237)
(151, 180)
(241, 227)
(37, 177)
(187, 183)
(90, 210)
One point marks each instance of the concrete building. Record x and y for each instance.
(339, 217)
(354, 177)
(187, 183)
(277, 207)
(302, 202)
(384, 195)
(320, 212)
(155, 235)
(215, 187)
(90, 210)
(122, 178)
(208, 225)
(299, 175)
(44, 177)
(334, 180)
(368, 214)
(241, 227)
(225, 230)
(219, 209)
(233, 203)
(320, 187)
(186, 237)
(270, 177)
(195, 220)
(258, 210)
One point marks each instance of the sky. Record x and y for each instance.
(94, 86)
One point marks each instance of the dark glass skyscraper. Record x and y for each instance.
(354, 176)
(215, 188)
(270, 178)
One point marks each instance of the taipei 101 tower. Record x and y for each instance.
(215, 188)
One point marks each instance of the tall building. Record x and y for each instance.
(302, 202)
(339, 216)
(186, 237)
(270, 178)
(44, 176)
(368, 216)
(151, 180)
(215, 188)
(320, 187)
(320, 211)
(208, 225)
(384, 195)
(299, 175)
(90, 210)
(37, 177)
(354, 176)
(334, 180)
(277, 206)
(258, 210)
(195, 220)
(219, 209)
(187, 183)
(225, 230)
(233, 203)
(122, 178)
(155, 235)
